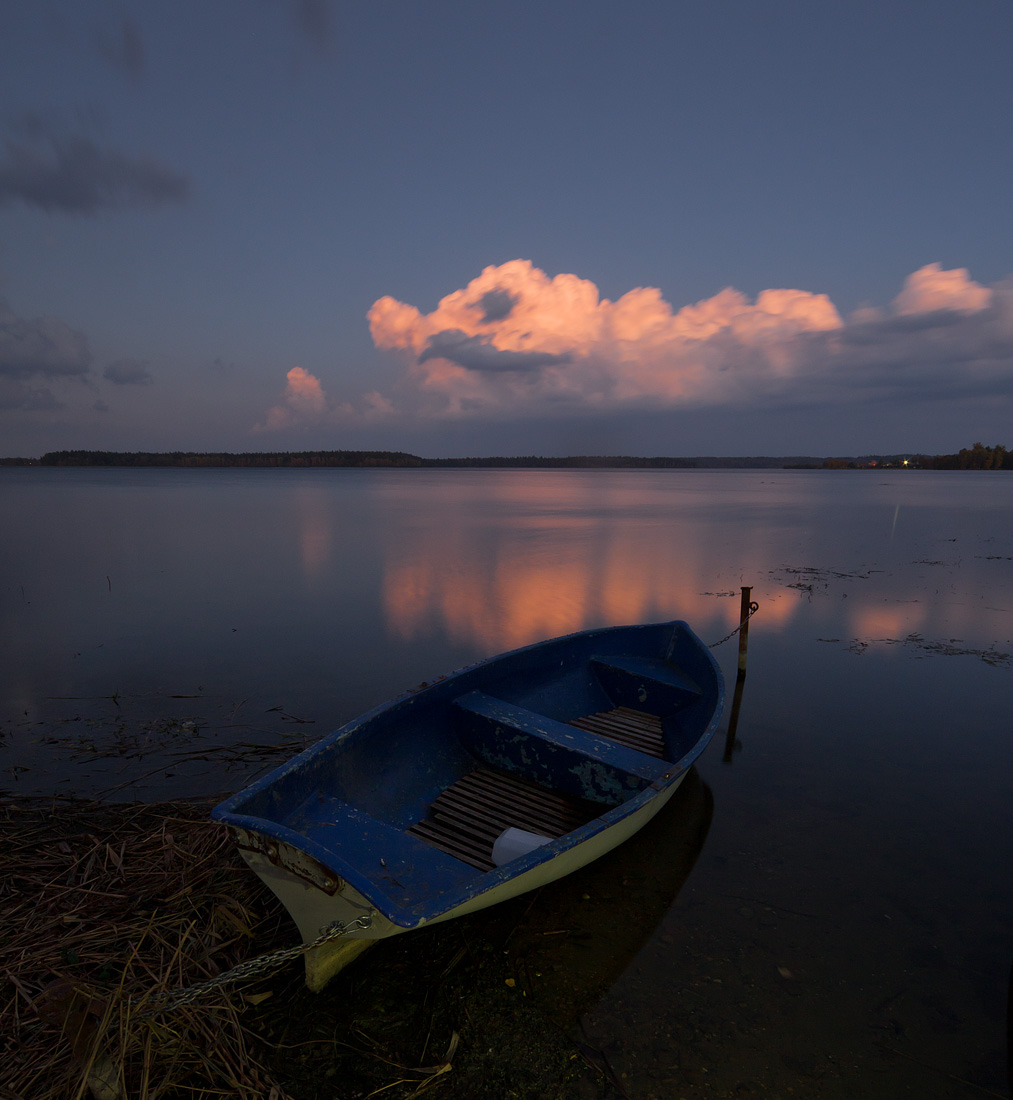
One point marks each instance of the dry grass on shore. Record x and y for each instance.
(101, 908)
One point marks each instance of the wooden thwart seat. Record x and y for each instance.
(633, 728)
(465, 820)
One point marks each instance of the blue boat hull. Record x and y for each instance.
(580, 739)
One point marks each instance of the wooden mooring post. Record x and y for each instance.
(744, 613)
(747, 607)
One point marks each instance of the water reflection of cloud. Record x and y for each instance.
(776, 611)
(542, 577)
(521, 556)
(530, 587)
(894, 621)
(315, 533)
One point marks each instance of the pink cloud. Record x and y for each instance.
(548, 315)
(516, 341)
(304, 403)
(369, 407)
(304, 394)
(931, 288)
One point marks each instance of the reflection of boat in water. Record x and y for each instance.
(581, 933)
(565, 748)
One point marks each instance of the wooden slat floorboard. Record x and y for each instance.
(633, 728)
(466, 818)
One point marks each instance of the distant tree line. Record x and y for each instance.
(978, 457)
(879, 462)
(216, 458)
(589, 462)
(342, 458)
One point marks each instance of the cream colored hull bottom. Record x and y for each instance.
(313, 909)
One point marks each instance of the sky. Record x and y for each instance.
(706, 227)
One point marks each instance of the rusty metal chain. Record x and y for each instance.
(753, 608)
(175, 998)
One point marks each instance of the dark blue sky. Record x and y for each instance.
(201, 203)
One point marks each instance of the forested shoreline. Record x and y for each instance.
(978, 457)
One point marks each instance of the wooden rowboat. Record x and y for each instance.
(480, 786)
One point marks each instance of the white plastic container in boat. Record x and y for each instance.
(513, 843)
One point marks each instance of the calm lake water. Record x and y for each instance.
(847, 928)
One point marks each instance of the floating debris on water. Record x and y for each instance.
(991, 656)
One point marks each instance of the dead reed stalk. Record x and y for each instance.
(101, 908)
